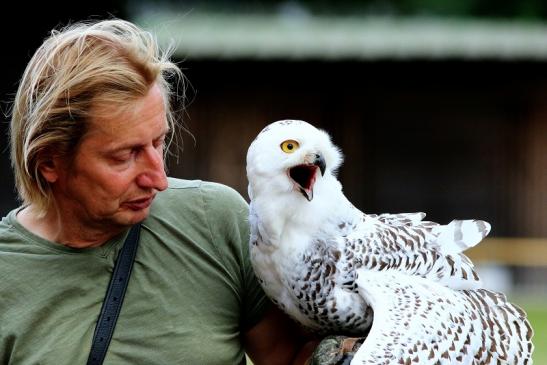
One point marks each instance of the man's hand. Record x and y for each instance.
(336, 350)
(277, 340)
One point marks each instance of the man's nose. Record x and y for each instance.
(153, 176)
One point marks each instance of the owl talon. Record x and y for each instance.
(336, 350)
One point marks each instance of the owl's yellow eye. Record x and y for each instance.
(289, 146)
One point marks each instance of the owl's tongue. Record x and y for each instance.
(304, 176)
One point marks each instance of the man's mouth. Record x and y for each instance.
(139, 204)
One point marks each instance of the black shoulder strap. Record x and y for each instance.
(113, 300)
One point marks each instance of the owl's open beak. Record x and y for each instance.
(305, 175)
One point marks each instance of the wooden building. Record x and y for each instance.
(445, 117)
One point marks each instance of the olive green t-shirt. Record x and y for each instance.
(191, 294)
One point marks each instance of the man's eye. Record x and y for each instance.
(120, 159)
(124, 157)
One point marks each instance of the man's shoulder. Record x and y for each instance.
(188, 195)
(177, 184)
(204, 190)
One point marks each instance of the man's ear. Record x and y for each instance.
(49, 168)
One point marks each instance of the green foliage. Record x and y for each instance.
(515, 9)
(538, 318)
(507, 9)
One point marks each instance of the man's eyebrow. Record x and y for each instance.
(129, 146)
(124, 147)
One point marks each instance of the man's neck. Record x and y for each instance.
(63, 230)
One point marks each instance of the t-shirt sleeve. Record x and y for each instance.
(228, 215)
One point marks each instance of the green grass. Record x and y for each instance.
(537, 314)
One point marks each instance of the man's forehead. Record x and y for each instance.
(116, 113)
(114, 133)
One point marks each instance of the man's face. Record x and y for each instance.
(118, 167)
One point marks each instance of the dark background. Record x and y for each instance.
(452, 138)
(23, 29)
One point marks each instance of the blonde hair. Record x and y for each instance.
(77, 70)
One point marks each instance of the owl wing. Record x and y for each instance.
(406, 243)
(401, 219)
(417, 321)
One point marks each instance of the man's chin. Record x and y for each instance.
(131, 217)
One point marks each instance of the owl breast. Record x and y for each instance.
(316, 288)
(327, 296)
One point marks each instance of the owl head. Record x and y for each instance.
(291, 156)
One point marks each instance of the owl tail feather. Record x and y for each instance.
(460, 235)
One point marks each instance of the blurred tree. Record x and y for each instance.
(510, 9)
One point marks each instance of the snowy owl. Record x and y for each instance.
(402, 281)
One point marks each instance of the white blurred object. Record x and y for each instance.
(495, 277)
(293, 32)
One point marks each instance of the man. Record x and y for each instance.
(89, 126)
